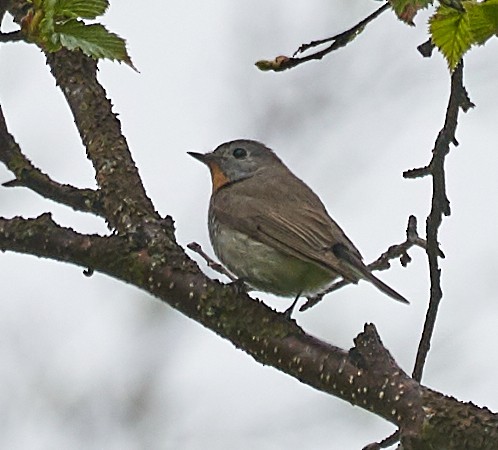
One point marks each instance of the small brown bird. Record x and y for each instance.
(271, 230)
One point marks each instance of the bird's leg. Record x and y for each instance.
(288, 312)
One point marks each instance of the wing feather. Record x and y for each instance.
(296, 224)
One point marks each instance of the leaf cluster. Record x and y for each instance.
(456, 25)
(56, 24)
(454, 31)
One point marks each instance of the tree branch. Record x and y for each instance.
(459, 99)
(440, 206)
(217, 267)
(366, 376)
(122, 192)
(281, 63)
(12, 36)
(27, 175)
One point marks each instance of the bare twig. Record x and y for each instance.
(426, 48)
(440, 206)
(419, 172)
(195, 247)
(459, 99)
(340, 40)
(13, 36)
(382, 262)
(345, 37)
(385, 443)
(401, 250)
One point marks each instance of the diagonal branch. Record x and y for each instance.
(27, 175)
(362, 376)
(366, 375)
(122, 193)
(217, 267)
(281, 63)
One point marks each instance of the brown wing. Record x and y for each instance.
(288, 216)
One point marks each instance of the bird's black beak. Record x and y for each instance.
(199, 156)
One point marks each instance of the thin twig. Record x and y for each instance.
(217, 267)
(440, 206)
(426, 48)
(387, 442)
(459, 98)
(419, 172)
(382, 262)
(340, 40)
(12, 36)
(346, 36)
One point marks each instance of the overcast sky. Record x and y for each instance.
(92, 363)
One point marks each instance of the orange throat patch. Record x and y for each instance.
(218, 178)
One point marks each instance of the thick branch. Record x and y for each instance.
(122, 192)
(3, 7)
(366, 376)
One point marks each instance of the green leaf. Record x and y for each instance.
(53, 24)
(490, 9)
(483, 18)
(93, 40)
(45, 30)
(86, 9)
(46, 25)
(450, 32)
(454, 31)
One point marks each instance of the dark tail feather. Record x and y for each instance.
(384, 287)
(355, 263)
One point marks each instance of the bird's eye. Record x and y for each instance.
(239, 153)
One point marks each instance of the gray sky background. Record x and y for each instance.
(92, 363)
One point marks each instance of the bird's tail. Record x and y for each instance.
(362, 271)
(383, 286)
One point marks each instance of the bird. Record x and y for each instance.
(272, 231)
